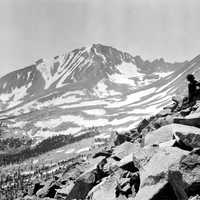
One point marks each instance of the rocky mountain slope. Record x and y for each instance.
(158, 159)
(100, 106)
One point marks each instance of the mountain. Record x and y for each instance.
(62, 125)
(96, 86)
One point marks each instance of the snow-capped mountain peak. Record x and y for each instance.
(90, 86)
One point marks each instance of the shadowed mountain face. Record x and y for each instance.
(93, 86)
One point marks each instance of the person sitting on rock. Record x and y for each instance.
(193, 89)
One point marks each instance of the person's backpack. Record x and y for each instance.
(198, 90)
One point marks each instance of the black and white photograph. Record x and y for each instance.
(99, 100)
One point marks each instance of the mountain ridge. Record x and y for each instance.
(89, 87)
(33, 74)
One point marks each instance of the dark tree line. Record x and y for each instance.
(13, 143)
(43, 147)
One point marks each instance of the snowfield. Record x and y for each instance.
(129, 70)
(59, 151)
(117, 122)
(121, 79)
(77, 120)
(132, 98)
(163, 74)
(101, 90)
(96, 112)
(15, 97)
(70, 151)
(83, 150)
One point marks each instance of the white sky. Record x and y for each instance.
(32, 29)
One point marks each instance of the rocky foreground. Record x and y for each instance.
(158, 160)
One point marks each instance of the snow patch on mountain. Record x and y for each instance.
(128, 127)
(15, 96)
(75, 92)
(95, 112)
(129, 70)
(60, 150)
(71, 99)
(77, 120)
(4, 85)
(163, 74)
(5, 97)
(45, 68)
(72, 66)
(117, 122)
(83, 150)
(155, 97)
(50, 123)
(100, 55)
(176, 78)
(121, 79)
(147, 111)
(102, 136)
(70, 151)
(59, 68)
(85, 104)
(19, 124)
(132, 98)
(46, 134)
(57, 101)
(101, 90)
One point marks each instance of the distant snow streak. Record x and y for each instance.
(15, 96)
(132, 98)
(129, 70)
(95, 112)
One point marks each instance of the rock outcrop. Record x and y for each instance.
(161, 174)
(183, 134)
(159, 159)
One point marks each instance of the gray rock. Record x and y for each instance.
(83, 185)
(191, 120)
(125, 149)
(189, 136)
(190, 170)
(160, 178)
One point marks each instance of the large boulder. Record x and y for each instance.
(190, 170)
(104, 190)
(160, 178)
(110, 166)
(125, 149)
(191, 120)
(86, 181)
(49, 190)
(37, 187)
(120, 185)
(189, 136)
(144, 123)
(185, 112)
(119, 138)
(83, 185)
(104, 153)
(197, 197)
(160, 135)
(138, 159)
(170, 143)
(164, 112)
(119, 153)
(64, 191)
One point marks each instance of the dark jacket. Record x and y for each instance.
(193, 90)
